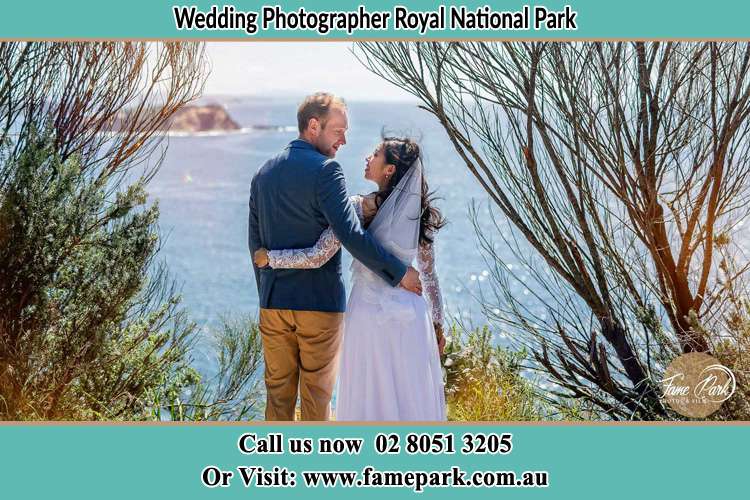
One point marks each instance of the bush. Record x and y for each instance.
(484, 382)
(85, 333)
(234, 392)
(733, 351)
(90, 325)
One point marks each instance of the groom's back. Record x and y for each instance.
(288, 214)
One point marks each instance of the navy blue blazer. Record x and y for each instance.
(293, 198)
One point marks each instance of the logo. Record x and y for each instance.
(696, 384)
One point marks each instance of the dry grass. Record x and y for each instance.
(484, 382)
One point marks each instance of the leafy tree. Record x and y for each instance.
(90, 323)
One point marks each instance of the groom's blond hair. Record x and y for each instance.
(317, 105)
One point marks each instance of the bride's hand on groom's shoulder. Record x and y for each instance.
(260, 257)
(369, 207)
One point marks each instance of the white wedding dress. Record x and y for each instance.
(390, 365)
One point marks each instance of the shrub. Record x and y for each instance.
(233, 393)
(89, 323)
(484, 381)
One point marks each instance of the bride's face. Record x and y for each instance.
(377, 170)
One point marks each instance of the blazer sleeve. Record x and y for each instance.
(253, 237)
(338, 210)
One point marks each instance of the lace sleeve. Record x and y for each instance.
(430, 283)
(315, 256)
(306, 258)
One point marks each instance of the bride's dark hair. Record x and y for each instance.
(402, 152)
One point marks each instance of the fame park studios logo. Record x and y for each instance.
(696, 384)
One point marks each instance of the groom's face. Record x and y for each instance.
(333, 132)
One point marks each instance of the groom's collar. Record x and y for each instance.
(300, 143)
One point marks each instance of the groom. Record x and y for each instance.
(293, 197)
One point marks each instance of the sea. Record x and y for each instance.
(203, 189)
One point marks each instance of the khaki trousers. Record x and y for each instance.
(300, 348)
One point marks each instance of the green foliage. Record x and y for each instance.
(484, 381)
(89, 325)
(233, 392)
(733, 351)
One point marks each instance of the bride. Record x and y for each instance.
(390, 361)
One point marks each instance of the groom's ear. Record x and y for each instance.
(313, 125)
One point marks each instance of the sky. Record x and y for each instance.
(294, 69)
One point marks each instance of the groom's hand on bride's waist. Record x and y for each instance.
(411, 282)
